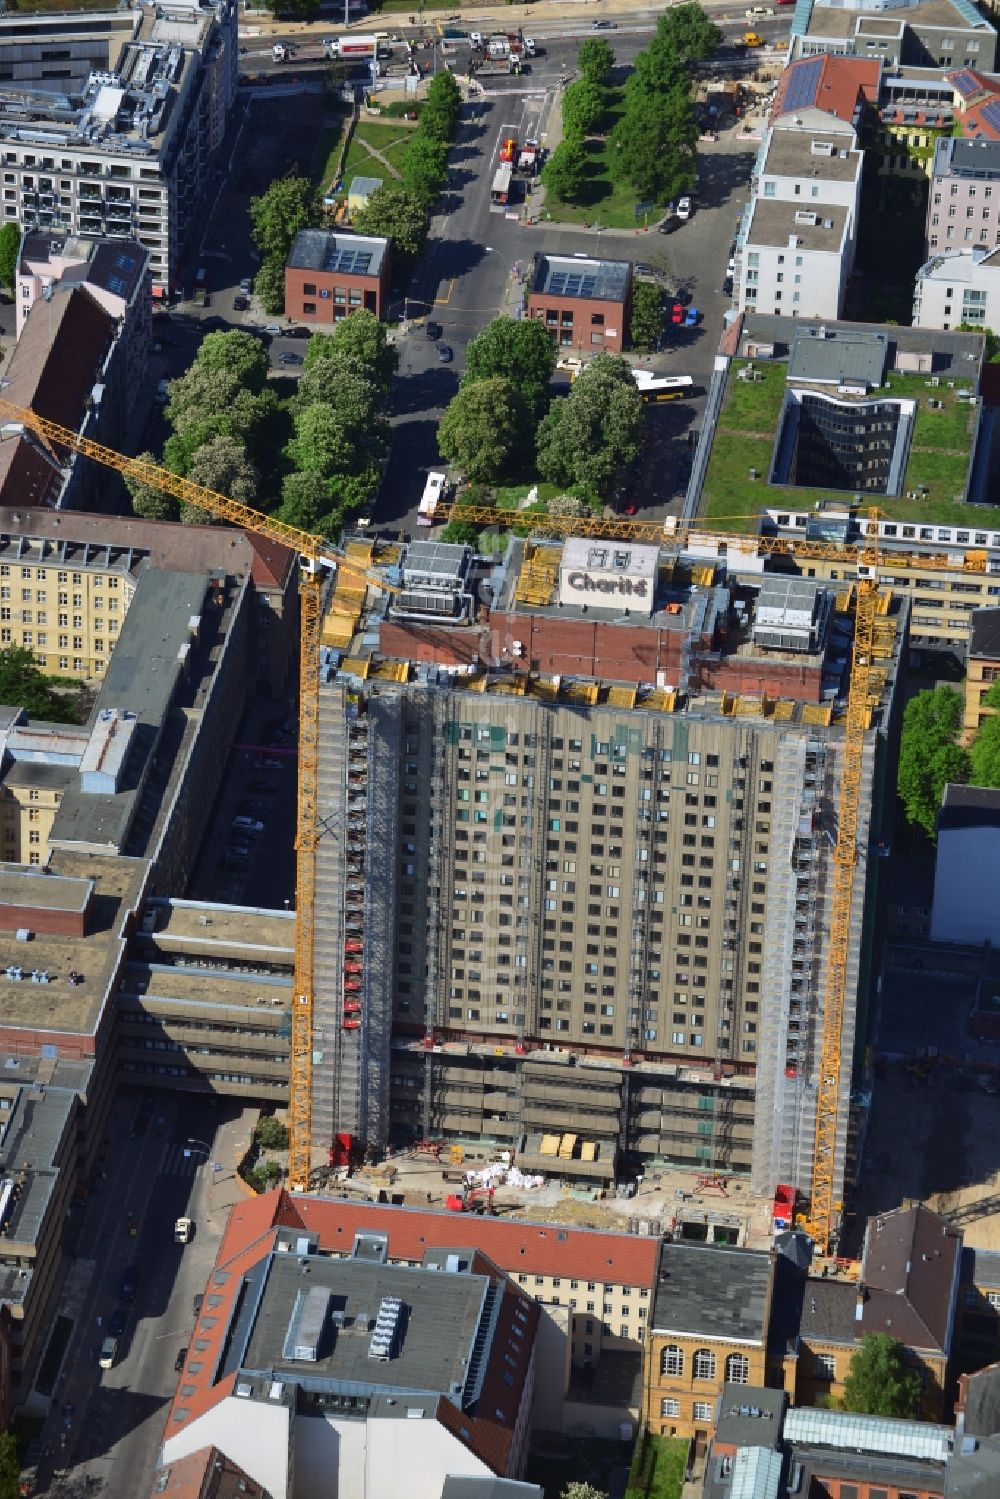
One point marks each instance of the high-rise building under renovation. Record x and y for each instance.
(575, 871)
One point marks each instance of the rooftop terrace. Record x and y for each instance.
(939, 457)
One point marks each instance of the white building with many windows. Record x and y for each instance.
(957, 287)
(122, 151)
(795, 249)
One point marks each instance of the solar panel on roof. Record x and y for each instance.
(965, 83)
(803, 84)
(991, 114)
(117, 285)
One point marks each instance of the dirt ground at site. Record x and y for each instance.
(935, 1141)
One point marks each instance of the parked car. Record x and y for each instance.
(692, 317)
(273, 329)
(298, 333)
(180, 1360)
(432, 330)
(108, 1353)
(684, 209)
(444, 353)
(129, 1283)
(287, 357)
(677, 312)
(727, 287)
(198, 1302)
(246, 285)
(241, 304)
(118, 1321)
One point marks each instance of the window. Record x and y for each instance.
(670, 1407)
(704, 1364)
(738, 1369)
(824, 1366)
(672, 1360)
(308, 288)
(702, 1410)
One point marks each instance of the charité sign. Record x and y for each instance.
(609, 586)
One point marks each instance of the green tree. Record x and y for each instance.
(654, 143)
(425, 168)
(583, 104)
(878, 1382)
(148, 501)
(307, 501)
(10, 1463)
(10, 244)
(222, 464)
(269, 283)
(647, 314)
(984, 754)
(22, 685)
(582, 1491)
(236, 353)
(395, 213)
(519, 350)
(564, 173)
(439, 115)
(360, 342)
(271, 1134)
(595, 430)
(481, 428)
(929, 754)
(322, 442)
(596, 60)
(295, 10)
(462, 532)
(278, 215)
(687, 33)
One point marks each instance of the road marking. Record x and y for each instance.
(443, 301)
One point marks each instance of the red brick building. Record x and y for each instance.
(329, 276)
(584, 304)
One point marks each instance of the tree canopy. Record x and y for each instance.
(647, 314)
(10, 1465)
(284, 208)
(520, 350)
(10, 243)
(655, 141)
(564, 173)
(929, 753)
(596, 60)
(482, 428)
(595, 430)
(395, 213)
(237, 353)
(358, 342)
(878, 1382)
(22, 685)
(583, 104)
(149, 501)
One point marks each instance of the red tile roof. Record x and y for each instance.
(973, 102)
(843, 85)
(532, 1248)
(206, 1474)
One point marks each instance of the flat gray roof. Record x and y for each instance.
(950, 351)
(36, 773)
(750, 1416)
(792, 153)
(838, 355)
(957, 156)
(349, 254)
(440, 1321)
(576, 276)
(47, 892)
(711, 1291)
(146, 665)
(774, 223)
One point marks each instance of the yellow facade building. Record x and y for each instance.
(982, 667)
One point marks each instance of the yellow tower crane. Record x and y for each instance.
(318, 555)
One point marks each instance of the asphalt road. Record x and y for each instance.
(107, 1424)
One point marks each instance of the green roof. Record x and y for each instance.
(745, 434)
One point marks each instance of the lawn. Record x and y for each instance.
(745, 435)
(658, 1466)
(605, 203)
(326, 154)
(391, 140)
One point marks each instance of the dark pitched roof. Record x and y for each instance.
(969, 807)
(829, 1311)
(910, 1275)
(712, 1292)
(984, 636)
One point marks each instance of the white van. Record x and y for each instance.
(247, 825)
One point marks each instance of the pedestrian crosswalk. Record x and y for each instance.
(174, 1161)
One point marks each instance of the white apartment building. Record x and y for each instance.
(794, 261)
(818, 177)
(125, 153)
(956, 287)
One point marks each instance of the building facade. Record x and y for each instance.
(794, 262)
(963, 206)
(329, 276)
(950, 35)
(958, 288)
(583, 304)
(124, 154)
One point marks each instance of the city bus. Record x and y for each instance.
(500, 191)
(434, 490)
(655, 388)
